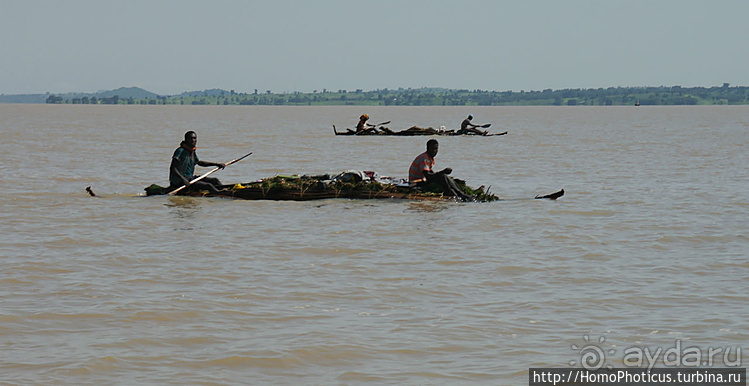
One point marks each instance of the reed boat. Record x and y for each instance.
(414, 131)
(349, 184)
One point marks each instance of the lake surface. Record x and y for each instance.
(648, 248)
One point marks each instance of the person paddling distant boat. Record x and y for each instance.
(182, 168)
(363, 126)
(467, 126)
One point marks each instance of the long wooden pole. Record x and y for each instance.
(173, 192)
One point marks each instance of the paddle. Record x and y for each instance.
(173, 192)
(371, 129)
(484, 126)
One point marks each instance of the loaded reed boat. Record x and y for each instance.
(349, 184)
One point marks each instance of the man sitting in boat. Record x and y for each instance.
(420, 174)
(182, 169)
(363, 127)
(467, 126)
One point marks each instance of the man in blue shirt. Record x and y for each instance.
(182, 169)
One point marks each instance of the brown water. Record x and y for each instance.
(648, 247)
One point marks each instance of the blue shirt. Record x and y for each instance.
(185, 164)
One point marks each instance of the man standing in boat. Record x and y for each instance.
(420, 173)
(182, 169)
(467, 126)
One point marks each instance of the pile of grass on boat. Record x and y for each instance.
(320, 187)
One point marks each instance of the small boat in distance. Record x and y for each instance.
(413, 131)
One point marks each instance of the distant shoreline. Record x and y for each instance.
(612, 96)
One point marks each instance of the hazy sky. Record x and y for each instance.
(171, 46)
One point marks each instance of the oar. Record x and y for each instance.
(173, 192)
(484, 126)
(364, 132)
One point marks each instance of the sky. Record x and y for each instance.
(172, 46)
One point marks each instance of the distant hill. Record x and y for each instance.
(124, 93)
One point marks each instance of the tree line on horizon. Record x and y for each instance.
(612, 96)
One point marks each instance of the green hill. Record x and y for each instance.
(126, 93)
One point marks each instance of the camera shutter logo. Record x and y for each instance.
(592, 356)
